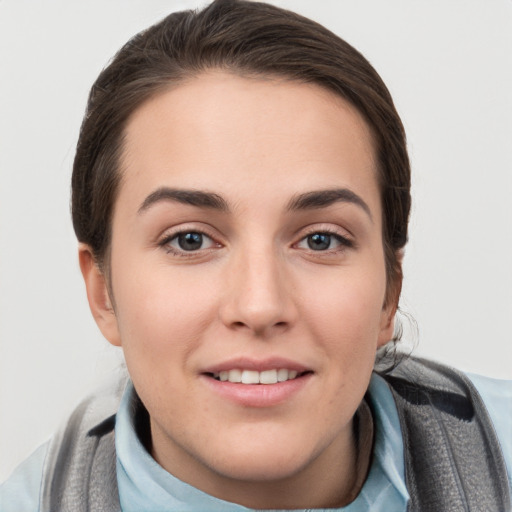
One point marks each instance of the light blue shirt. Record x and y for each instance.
(144, 486)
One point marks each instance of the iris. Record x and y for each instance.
(190, 241)
(319, 241)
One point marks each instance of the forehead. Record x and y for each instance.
(248, 136)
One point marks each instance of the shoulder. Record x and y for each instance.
(20, 492)
(497, 397)
(23, 490)
(418, 381)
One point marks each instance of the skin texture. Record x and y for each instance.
(254, 289)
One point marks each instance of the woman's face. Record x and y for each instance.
(247, 245)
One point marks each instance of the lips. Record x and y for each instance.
(257, 383)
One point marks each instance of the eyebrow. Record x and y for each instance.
(191, 197)
(325, 198)
(307, 201)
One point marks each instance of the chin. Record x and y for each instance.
(261, 469)
(262, 462)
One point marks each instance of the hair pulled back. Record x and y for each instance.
(246, 38)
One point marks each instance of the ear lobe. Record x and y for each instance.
(98, 296)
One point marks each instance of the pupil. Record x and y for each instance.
(319, 241)
(190, 241)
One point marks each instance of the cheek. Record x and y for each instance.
(349, 300)
(161, 314)
(344, 316)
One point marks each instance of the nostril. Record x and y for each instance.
(277, 324)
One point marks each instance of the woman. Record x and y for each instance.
(241, 198)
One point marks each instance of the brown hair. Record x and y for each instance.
(248, 38)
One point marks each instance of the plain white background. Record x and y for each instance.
(447, 64)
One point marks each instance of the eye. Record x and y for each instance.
(188, 241)
(324, 242)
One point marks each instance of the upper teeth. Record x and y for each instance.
(255, 377)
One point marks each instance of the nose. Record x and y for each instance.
(258, 296)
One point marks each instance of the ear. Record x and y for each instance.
(98, 295)
(387, 324)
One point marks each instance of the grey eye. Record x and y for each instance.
(190, 241)
(324, 241)
(319, 241)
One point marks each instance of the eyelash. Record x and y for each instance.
(344, 242)
(166, 241)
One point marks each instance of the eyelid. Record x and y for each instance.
(172, 233)
(188, 227)
(204, 237)
(344, 238)
(328, 229)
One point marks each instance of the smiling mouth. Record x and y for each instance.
(240, 376)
